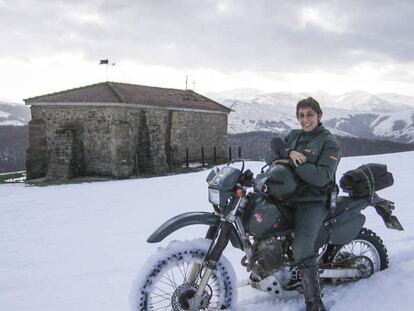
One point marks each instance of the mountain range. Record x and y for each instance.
(359, 114)
(14, 114)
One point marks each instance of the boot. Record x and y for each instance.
(311, 289)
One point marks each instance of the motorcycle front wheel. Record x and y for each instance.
(171, 277)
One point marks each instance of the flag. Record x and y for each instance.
(103, 62)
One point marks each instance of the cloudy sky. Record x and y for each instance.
(271, 45)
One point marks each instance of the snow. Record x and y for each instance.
(235, 94)
(12, 122)
(13, 114)
(81, 246)
(4, 114)
(355, 101)
(248, 117)
(9, 103)
(386, 127)
(275, 112)
(352, 101)
(397, 98)
(9, 119)
(337, 132)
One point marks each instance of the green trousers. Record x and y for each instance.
(308, 219)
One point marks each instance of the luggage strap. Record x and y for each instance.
(371, 182)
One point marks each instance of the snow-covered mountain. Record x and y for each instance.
(354, 101)
(358, 114)
(397, 98)
(363, 101)
(237, 94)
(396, 126)
(14, 114)
(248, 117)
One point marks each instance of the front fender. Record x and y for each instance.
(188, 219)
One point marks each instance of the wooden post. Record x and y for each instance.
(229, 153)
(171, 159)
(186, 158)
(239, 152)
(214, 155)
(136, 164)
(202, 156)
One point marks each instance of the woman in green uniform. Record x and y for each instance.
(314, 153)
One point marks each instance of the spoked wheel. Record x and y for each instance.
(172, 279)
(367, 248)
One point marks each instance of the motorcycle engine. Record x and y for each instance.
(270, 253)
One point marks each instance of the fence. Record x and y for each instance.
(215, 159)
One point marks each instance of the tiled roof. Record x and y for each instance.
(124, 93)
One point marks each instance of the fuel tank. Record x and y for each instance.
(265, 217)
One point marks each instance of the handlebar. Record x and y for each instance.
(274, 162)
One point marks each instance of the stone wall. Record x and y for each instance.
(193, 130)
(37, 154)
(99, 132)
(67, 141)
(157, 131)
(94, 126)
(66, 154)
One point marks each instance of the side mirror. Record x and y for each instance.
(212, 174)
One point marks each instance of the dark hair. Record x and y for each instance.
(309, 102)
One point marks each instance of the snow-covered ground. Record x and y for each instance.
(79, 246)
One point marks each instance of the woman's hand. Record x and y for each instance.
(297, 158)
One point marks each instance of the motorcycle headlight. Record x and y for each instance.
(214, 196)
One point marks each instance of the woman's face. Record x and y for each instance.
(308, 119)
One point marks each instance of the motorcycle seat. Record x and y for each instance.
(344, 203)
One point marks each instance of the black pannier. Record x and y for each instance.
(366, 179)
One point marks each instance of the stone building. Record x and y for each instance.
(120, 130)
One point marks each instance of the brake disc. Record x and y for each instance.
(182, 294)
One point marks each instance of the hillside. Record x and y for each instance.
(14, 136)
(79, 246)
(14, 114)
(14, 141)
(254, 145)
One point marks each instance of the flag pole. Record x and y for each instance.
(106, 63)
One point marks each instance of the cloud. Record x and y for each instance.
(222, 35)
(49, 45)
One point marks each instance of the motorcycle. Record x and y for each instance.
(250, 214)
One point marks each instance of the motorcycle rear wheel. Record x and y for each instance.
(366, 244)
(164, 283)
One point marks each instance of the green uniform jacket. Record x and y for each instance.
(323, 154)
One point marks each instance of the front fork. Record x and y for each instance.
(220, 236)
(195, 270)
